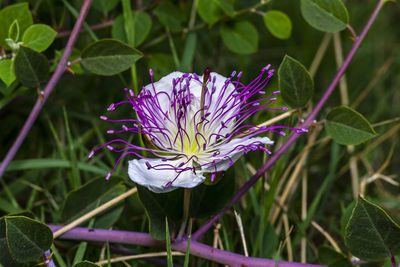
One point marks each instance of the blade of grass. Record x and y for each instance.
(27, 164)
(186, 262)
(168, 244)
(57, 256)
(323, 191)
(75, 179)
(75, 13)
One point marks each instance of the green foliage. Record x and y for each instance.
(278, 23)
(211, 11)
(105, 6)
(241, 37)
(7, 71)
(325, 15)
(313, 182)
(330, 257)
(90, 196)
(207, 200)
(86, 264)
(39, 37)
(26, 239)
(161, 206)
(371, 234)
(295, 83)
(18, 12)
(169, 15)
(109, 57)
(348, 127)
(31, 68)
(13, 31)
(142, 25)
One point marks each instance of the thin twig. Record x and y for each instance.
(94, 212)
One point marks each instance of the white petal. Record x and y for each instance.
(164, 85)
(155, 180)
(224, 163)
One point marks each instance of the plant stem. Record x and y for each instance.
(186, 206)
(196, 248)
(307, 122)
(62, 65)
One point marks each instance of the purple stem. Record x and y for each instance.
(93, 27)
(196, 248)
(204, 228)
(62, 65)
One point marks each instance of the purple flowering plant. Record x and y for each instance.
(196, 127)
(186, 136)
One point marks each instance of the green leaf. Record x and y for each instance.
(90, 196)
(31, 67)
(278, 24)
(330, 257)
(161, 64)
(86, 264)
(5, 257)
(75, 54)
(346, 214)
(13, 31)
(241, 37)
(169, 15)
(105, 6)
(188, 52)
(371, 234)
(212, 11)
(207, 200)
(348, 127)
(142, 26)
(325, 15)
(27, 239)
(168, 244)
(108, 57)
(159, 206)
(9, 14)
(39, 37)
(7, 74)
(295, 83)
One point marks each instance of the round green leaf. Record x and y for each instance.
(142, 26)
(7, 74)
(108, 57)
(348, 127)
(325, 15)
(91, 195)
(39, 37)
(278, 23)
(18, 12)
(241, 37)
(212, 11)
(371, 234)
(27, 239)
(169, 15)
(295, 83)
(31, 67)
